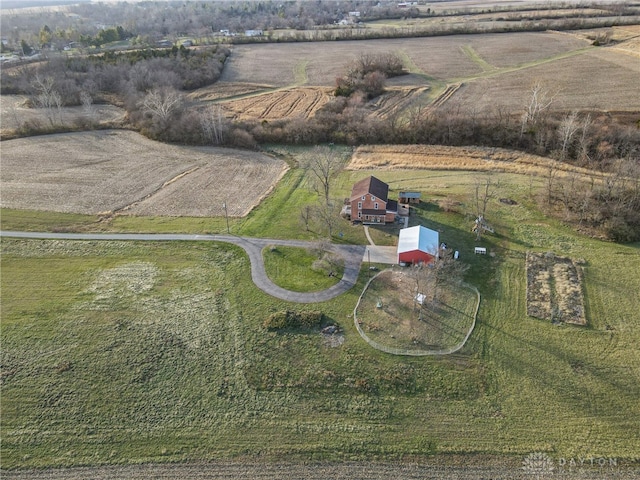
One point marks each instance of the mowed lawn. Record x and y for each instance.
(116, 352)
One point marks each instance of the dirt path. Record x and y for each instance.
(352, 255)
(253, 470)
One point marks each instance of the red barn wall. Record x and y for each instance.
(415, 256)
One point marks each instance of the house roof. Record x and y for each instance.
(370, 185)
(409, 194)
(418, 238)
(392, 206)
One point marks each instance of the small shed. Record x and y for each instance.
(409, 197)
(417, 245)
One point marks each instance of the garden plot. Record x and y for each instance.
(108, 172)
(554, 289)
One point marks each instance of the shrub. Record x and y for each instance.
(292, 319)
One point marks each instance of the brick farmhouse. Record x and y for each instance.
(369, 202)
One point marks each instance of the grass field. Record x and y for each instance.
(153, 352)
(294, 268)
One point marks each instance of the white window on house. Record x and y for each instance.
(359, 214)
(375, 205)
(373, 198)
(363, 197)
(359, 205)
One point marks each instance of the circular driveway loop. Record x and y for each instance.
(352, 255)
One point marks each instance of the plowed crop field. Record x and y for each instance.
(122, 171)
(295, 102)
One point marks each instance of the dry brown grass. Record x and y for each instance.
(437, 157)
(221, 90)
(15, 111)
(111, 171)
(500, 50)
(297, 102)
(279, 64)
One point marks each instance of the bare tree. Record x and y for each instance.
(87, 105)
(214, 125)
(47, 97)
(552, 173)
(485, 189)
(327, 215)
(584, 141)
(162, 103)
(306, 216)
(324, 163)
(430, 277)
(567, 129)
(540, 100)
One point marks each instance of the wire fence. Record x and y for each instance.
(408, 352)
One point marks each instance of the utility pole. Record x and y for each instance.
(226, 215)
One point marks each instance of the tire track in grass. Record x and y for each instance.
(155, 192)
(267, 111)
(294, 105)
(472, 55)
(311, 109)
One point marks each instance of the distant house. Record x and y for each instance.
(369, 202)
(165, 43)
(417, 245)
(409, 197)
(253, 33)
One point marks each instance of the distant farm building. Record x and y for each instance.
(417, 245)
(369, 202)
(409, 197)
(253, 33)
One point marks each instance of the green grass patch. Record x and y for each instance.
(299, 269)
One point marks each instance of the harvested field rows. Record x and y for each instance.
(436, 157)
(399, 99)
(221, 90)
(299, 102)
(112, 171)
(554, 289)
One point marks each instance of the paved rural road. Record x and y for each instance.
(352, 255)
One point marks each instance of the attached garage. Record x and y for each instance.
(417, 245)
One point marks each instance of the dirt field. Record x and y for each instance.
(287, 103)
(226, 90)
(250, 470)
(440, 57)
(576, 82)
(121, 171)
